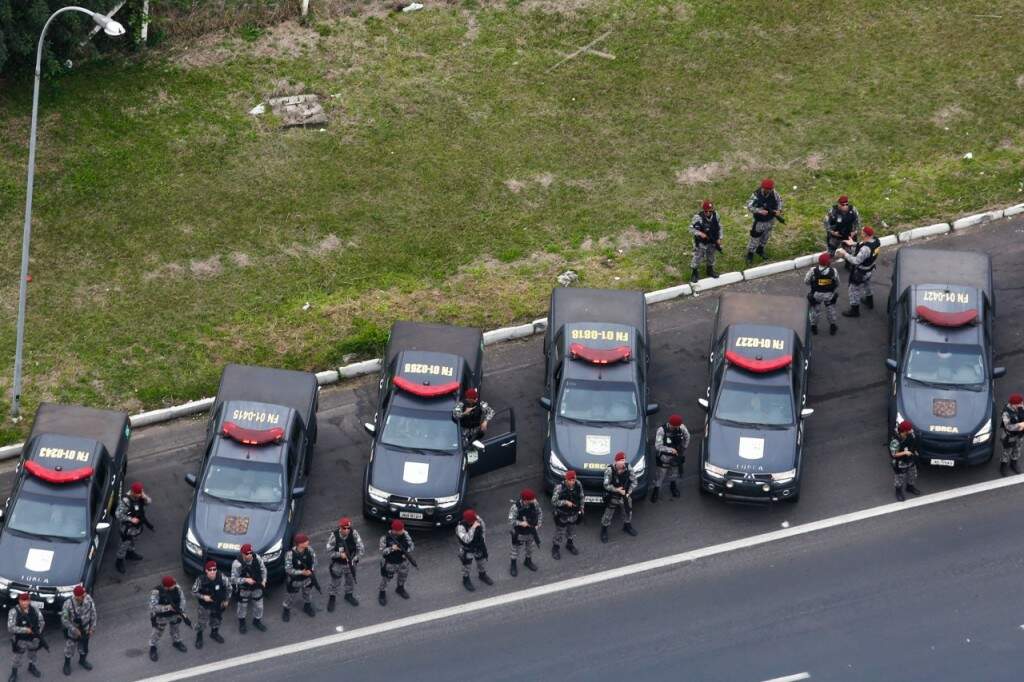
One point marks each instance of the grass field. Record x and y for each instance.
(466, 164)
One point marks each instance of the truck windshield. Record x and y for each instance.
(752, 404)
(597, 401)
(934, 363)
(420, 430)
(50, 516)
(245, 481)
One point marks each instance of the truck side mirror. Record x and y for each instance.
(891, 364)
(545, 403)
(998, 372)
(478, 446)
(806, 412)
(652, 408)
(101, 526)
(370, 428)
(190, 479)
(703, 402)
(298, 491)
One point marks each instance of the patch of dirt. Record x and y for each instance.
(472, 28)
(680, 11)
(1020, 81)
(241, 259)
(815, 161)
(327, 245)
(698, 175)
(944, 116)
(165, 271)
(205, 269)
(629, 239)
(544, 179)
(514, 186)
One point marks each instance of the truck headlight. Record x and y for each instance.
(640, 467)
(378, 495)
(5, 584)
(192, 543)
(711, 470)
(984, 433)
(556, 464)
(784, 476)
(447, 502)
(274, 553)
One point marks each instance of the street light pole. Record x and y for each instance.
(111, 28)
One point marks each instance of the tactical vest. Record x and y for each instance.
(710, 227)
(348, 545)
(476, 544)
(769, 201)
(874, 244)
(250, 570)
(396, 541)
(908, 442)
(1016, 416)
(841, 222)
(167, 596)
(472, 420)
(136, 508)
(672, 437)
(529, 513)
(824, 281)
(26, 619)
(620, 480)
(302, 561)
(212, 588)
(573, 494)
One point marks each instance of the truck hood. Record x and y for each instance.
(42, 563)
(414, 474)
(750, 449)
(592, 447)
(226, 527)
(940, 411)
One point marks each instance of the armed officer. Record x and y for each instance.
(300, 576)
(131, 512)
(707, 239)
(212, 591)
(249, 576)
(1012, 421)
(25, 623)
(903, 450)
(670, 442)
(842, 223)
(824, 282)
(395, 547)
(166, 608)
(345, 548)
(473, 415)
(78, 618)
(568, 506)
(765, 205)
(619, 483)
(862, 260)
(525, 517)
(471, 532)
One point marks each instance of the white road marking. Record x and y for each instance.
(591, 579)
(791, 678)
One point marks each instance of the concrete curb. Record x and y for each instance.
(364, 367)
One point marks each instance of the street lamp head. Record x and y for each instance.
(110, 27)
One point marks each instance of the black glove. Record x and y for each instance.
(810, 297)
(835, 297)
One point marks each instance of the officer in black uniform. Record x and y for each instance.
(345, 548)
(300, 570)
(471, 532)
(824, 282)
(765, 206)
(568, 506)
(473, 415)
(25, 623)
(131, 513)
(212, 590)
(903, 450)
(707, 239)
(249, 576)
(862, 260)
(525, 517)
(670, 442)
(842, 222)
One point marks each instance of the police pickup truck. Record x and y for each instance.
(596, 360)
(941, 307)
(255, 468)
(420, 463)
(59, 516)
(757, 387)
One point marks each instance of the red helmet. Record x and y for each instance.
(527, 495)
(301, 538)
(136, 488)
(168, 581)
(210, 564)
(869, 231)
(620, 456)
(1017, 399)
(24, 598)
(344, 522)
(79, 590)
(675, 421)
(824, 259)
(247, 548)
(843, 199)
(472, 394)
(767, 183)
(707, 205)
(469, 516)
(570, 475)
(397, 525)
(905, 427)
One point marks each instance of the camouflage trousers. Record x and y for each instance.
(303, 588)
(246, 597)
(467, 558)
(23, 647)
(524, 542)
(389, 571)
(208, 617)
(703, 252)
(161, 625)
(564, 532)
(128, 537)
(856, 292)
(827, 299)
(672, 472)
(762, 231)
(338, 573)
(614, 504)
(73, 643)
(1011, 451)
(905, 477)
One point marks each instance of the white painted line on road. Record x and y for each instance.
(791, 678)
(592, 579)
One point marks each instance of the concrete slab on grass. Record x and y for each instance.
(922, 232)
(1013, 210)
(801, 262)
(668, 294)
(976, 219)
(768, 269)
(722, 280)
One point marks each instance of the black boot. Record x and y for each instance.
(832, 329)
(119, 565)
(382, 598)
(556, 552)
(67, 666)
(400, 591)
(710, 270)
(199, 639)
(571, 546)
(912, 489)
(528, 562)
(899, 493)
(513, 570)
(814, 329)
(869, 301)
(485, 579)
(673, 488)
(630, 530)
(258, 624)
(14, 675)
(351, 599)
(132, 555)
(180, 646)
(604, 533)
(694, 276)
(761, 253)
(308, 609)
(655, 494)
(153, 655)
(241, 626)
(286, 615)
(84, 663)
(1003, 468)
(33, 670)
(216, 636)
(1013, 465)
(750, 257)
(331, 602)
(468, 584)
(854, 311)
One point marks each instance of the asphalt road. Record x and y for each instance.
(846, 468)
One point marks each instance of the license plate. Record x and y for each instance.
(943, 463)
(410, 515)
(593, 499)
